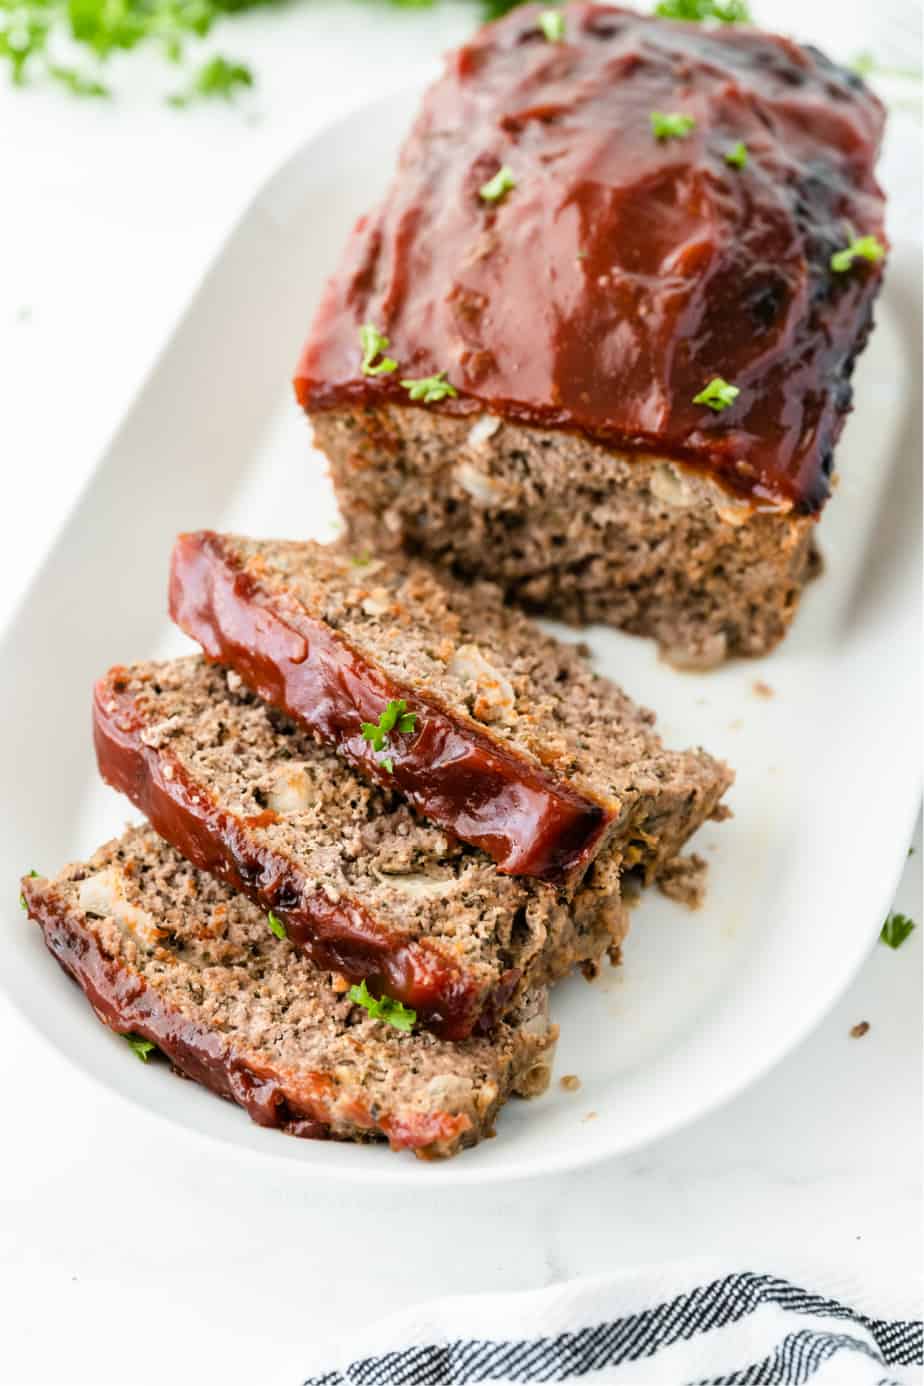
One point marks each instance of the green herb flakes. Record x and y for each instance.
(394, 718)
(384, 1008)
(695, 11)
(373, 344)
(675, 126)
(431, 389)
(552, 24)
(495, 188)
(276, 925)
(860, 248)
(22, 898)
(717, 395)
(140, 1047)
(737, 156)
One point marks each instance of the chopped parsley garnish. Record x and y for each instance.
(361, 560)
(674, 126)
(395, 718)
(493, 190)
(373, 343)
(276, 925)
(552, 24)
(737, 156)
(860, 248)
(431, 388)
(718, 394)
(22, 898)
(219, 77)
(139, 1046)
(695, 11)
(384, 1008)
(896, 929)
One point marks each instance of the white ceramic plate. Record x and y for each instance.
(828, 767)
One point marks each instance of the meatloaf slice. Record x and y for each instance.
(170, 955)
(508, 740)
(612, 378)
(355, 879)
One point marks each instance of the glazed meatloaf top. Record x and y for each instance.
(587, 230)
(505, 736)
(170, 955)
(350, 874)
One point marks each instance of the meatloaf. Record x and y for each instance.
(171, 956)
(351, 876)
(500, 734)
(596, 343)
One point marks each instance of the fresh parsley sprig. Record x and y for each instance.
(431, 389)
(896, 929)
(671, 125)
(717, 395)
(860, 248)
(384, 1008)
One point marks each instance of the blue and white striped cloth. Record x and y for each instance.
(653, 1327)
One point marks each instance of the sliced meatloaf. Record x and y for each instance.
(505, 736)
(170, 955)
(596, 343)
(351, 876)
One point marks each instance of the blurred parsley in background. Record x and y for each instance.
(35, 36)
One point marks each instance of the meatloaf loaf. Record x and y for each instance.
(169, 955)
(351, 876)
(492, 729)
(596, 343)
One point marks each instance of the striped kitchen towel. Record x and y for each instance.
(659, 1326)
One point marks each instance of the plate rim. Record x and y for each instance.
(538, 1163)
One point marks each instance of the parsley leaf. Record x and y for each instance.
(896, 929)
(495, 188)
(276, 925)
(373, 343)
(219, 77)
(860, 248)
(552, 24)
(431, 389)
(718, 394)
(694, 11)
(394, 717)
(384, 1008)
(141, 1047)
(737, 156)
(671, 127)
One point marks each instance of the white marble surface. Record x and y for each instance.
(129, 1255)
